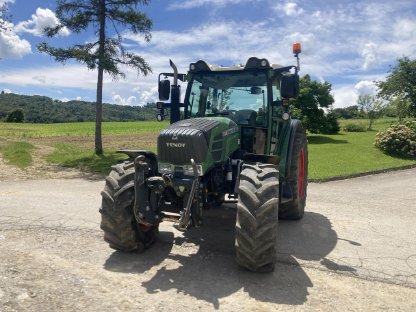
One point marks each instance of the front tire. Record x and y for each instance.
(121, 231)
(298, 178)
(257, 217)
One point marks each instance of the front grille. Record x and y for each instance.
(184, 140)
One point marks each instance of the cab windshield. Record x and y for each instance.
(225, 93)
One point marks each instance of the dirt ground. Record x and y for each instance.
(41, 169)
(353, 251)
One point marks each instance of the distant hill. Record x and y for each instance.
(42, 109)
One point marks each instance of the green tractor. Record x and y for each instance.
(232, 138)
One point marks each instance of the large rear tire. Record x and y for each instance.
(121, 231)
(257, 217)
(298, 178)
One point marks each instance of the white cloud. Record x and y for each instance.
(64, 100)
(7, 91)
(345, 96)
(148, 96)
(289, 8)
(345, 44)
(118, 99)
(190, 4)
(79, 98)
(369, 54)
(40, 78)
(58, 77)
(366, 87)
(405, 29)
(42, 19)
(55, 76)
(11, 45)
(3, 2)
(212, 42)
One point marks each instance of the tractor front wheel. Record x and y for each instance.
(257, 217)
(121, 231)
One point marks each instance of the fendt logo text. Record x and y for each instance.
(169, 144)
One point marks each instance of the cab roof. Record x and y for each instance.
(252, 63)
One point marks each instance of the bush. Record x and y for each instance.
(399, 139)
(330, 125)
(16, 115)
(352, 127)
(411, 124)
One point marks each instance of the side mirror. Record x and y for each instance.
(289, 86)
(164, 90)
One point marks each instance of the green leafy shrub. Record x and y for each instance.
(353, 127)
(16, 115)
(399, 139)
(411, 124)
(330, 125)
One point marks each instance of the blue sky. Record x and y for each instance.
(347, 43)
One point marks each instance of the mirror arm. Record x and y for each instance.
(175, 73)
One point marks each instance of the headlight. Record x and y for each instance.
(165, 168)
(188, 170)
(285, 116)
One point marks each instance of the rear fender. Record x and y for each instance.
(286, 160)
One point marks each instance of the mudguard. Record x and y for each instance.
(148, 154)
(285, 161)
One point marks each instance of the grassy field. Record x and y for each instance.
(342, 155)
(24, 130)
(350, 153)
(17, 153)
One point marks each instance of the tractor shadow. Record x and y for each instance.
(310, 240)
(141, 262)
(204, 266)
(319, 139)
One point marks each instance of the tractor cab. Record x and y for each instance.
(254, 96)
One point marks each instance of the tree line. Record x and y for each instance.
(396, 97)
(42, 109)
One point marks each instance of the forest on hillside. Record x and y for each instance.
(42, 109)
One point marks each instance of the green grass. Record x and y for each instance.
(68, 155)
(24, 130)
(17, 153)
(350, 153)
(342, 155)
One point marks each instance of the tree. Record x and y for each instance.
(330, 124)
(401, 106)
(308, 107)
(15, 115)
(107, 53)
(401, 81)
(373, 107)
(347, 112)
(4, 18)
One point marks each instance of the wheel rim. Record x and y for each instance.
(301, 173)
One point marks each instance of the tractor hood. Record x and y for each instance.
(199, 138)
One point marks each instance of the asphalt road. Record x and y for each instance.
(355, 249)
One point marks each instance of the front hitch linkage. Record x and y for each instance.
(186, 213)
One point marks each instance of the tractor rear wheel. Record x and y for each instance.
(298, 178)
(121, 231)
(257, 217)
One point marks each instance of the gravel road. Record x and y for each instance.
(354, 250)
